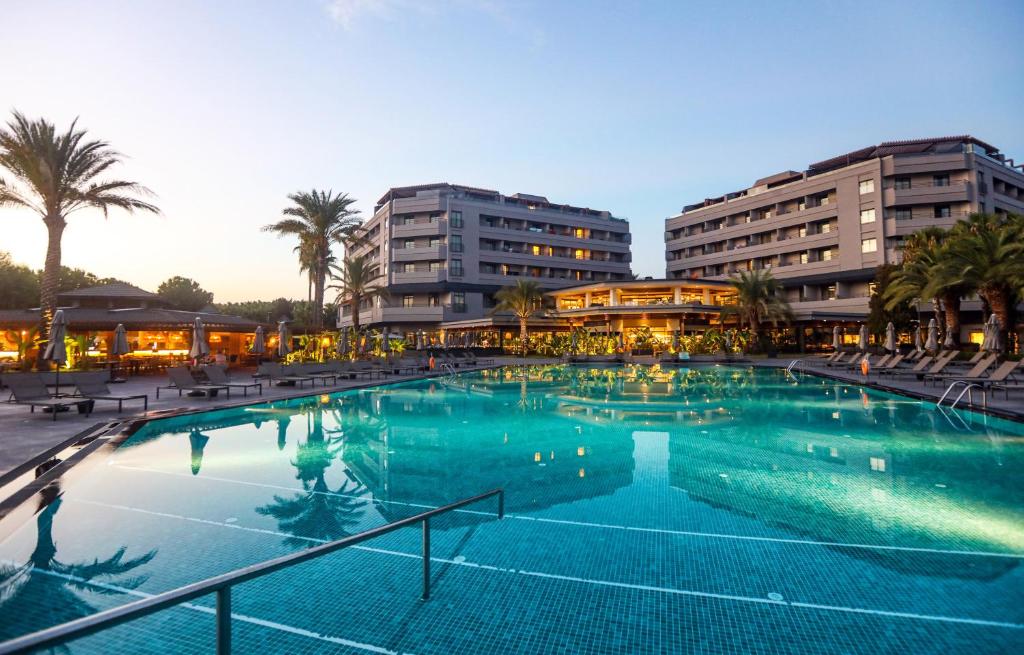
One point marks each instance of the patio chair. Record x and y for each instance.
(286, 374)
(29, 389)
(94, 387)
(217, 375)
(182, 380)
(976, 372)
(885, 366)
(840, 360)
(319, 372)
(1005, 384)
(917, 368)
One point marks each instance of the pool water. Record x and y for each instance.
(694, 510)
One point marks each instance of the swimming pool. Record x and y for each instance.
(694, 510)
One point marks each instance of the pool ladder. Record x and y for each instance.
(968, 388)
(221, 585)
(794, 365)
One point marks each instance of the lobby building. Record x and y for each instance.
(443, 250)
(825, 230)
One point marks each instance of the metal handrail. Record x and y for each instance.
(222, 584)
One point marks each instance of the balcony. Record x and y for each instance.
(425, 253)
(418, 277)
(927, 194)
(420, 229)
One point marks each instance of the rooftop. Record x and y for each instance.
(112, 290)
(527, 200)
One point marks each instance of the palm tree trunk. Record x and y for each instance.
(51, 281)
(354, 302)
(522, 335)
(318, 301)
(940, 316)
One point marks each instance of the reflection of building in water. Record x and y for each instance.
(409, 455)
(842, 489)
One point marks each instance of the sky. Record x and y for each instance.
(224, 108)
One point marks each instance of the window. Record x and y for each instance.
(409, 243)
(456, 218)
(903, 215)
(878, 464)
(578, 254)
(434, 218)
(436, 266)
(826, 255)
(455, 242)
(867, 216)
(458, 301)
(580, 233)
(535, 250)
(435, 242)
(830, 292)
(432, 300)
(803, 257)
(456, 268)
(867, 186)
(940, 180)
(901, 183)
(802, 232)
(942, 211)
(868, 245)
(408, 301)
(409, 267)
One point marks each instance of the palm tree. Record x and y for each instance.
(987, 256)
(356, 279)
(921, 254)
(758, 300)
(320, 219)
(55, 175)
(523, 300)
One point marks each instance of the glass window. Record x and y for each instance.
(434, 218)
(943, 211)
(408, 267)
(903, 215)
(867, 186)
(409, 243)
(803, 257)
(458, 301)
(455, 242)
(456, 218)
(868, 245)
(867, 216)
(432, 300)
(535, 250)
(901, 183)
(408, 301)
(435, 242)
(435, 266)
(940, 180)
(456, 268)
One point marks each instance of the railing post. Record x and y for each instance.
(224, 621)
(426, 558)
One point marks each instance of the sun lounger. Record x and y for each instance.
(94, 387)
(217, 375)
(840, 360)
(886, 366)
(29, 389)
(319, 372)
(997, 378)
(182, 380)
(939, 377)
(917, 369)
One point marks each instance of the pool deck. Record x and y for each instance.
(24, 435)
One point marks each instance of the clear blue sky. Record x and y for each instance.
(638, 108)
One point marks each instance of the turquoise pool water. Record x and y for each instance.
(649, 511)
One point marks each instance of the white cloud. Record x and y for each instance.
(347, 12)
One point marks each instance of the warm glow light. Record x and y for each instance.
(581, 451)
(536, 456)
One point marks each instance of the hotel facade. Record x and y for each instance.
(824, 231)
(443, 250)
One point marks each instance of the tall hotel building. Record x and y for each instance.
(823, 232)
(443, 250)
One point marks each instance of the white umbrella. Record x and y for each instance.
(991, 330)
(284, 345)
(918, 346)
(419, 341)
(837, 342)
(890, 337)
(863, 337)
(948, 343)
(364, 345)
(342, 346)
(932, 343)
(259, 343)
(675, 341)
(120, 345)
(622, 342)
(728, 341)
(56, 350)
(385, 341)
(199, 347)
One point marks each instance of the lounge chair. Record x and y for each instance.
(182, 380)
(976, 372)
(885, 366)
(840, 360)
(217, 375)
(917, 368)
(366, 368)
(94, 387)
(29, 389)
(997, 378)
(1005, 384)
(319, 372)
(851, 363)
(283, 374)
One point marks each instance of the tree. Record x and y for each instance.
(922, 253)
(320, 219)
(183, 293)
(56, 174)
(19, 285)
(986, 255)
(880, 314)
(523, 299)
(356, 279)
(758, 300)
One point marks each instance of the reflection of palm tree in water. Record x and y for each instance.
(318, 512)
(27, 585)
